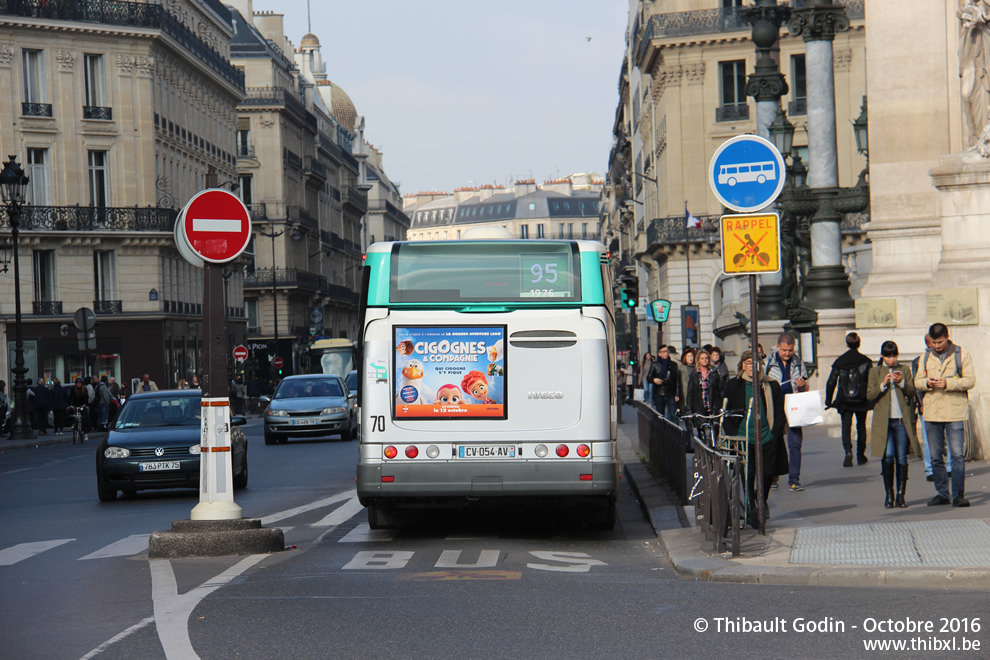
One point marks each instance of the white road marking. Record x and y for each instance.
(125, 547)
(487, 559)
(318, 504)
(116, 638)
(172, 610)
(22, 551)
(379, 560)
(363, 533)
(342, 514)
(232, 225)
(578, 562)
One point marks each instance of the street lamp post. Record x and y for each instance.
(13, 184)
(273, 235)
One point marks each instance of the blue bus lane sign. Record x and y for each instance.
(746, 173)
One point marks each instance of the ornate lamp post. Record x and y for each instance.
(13, 185)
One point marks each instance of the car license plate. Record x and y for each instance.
(486, 451)
(303, 422)
(160, 465)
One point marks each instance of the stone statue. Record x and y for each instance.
(974, 71)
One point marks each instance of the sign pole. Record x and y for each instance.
(757, 390)
(216, 488)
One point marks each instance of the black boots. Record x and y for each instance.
(849, 460)
(888, 485)
(902, 477)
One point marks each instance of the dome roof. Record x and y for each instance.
(309, 40)
(339, 102)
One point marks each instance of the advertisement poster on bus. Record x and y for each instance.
(450, 372)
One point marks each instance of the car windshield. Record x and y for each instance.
(159, 411)
(308, 387)
(352, 381)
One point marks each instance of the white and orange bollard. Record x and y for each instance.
(216, 471)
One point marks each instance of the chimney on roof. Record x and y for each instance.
(524, 187)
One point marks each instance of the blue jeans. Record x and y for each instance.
(925, 454)
(648, 392)
(667, 407)
(795, 436)
(940, 435)
(897, 442)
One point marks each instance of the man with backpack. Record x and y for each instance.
(848, 381)
(946, 374)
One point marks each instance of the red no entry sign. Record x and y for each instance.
(215, 225)
(277, 363)
(240, 353)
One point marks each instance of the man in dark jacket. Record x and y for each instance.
(42, 405)
(848, 381)
(666, 384)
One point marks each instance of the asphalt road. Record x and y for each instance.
(517, 584)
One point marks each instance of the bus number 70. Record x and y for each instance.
(377, 423)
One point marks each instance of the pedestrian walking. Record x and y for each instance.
(739, 396)
(718, 364)
(684, 371)
(238, 392)
(666, 384)
(42, 405)
(704, 389)
(60, 401)
(785, 367)
(644, 381)
(946, 374)
(848, 381)
(892, 390)
(147, 385)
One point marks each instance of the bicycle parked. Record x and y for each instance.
(78, 414)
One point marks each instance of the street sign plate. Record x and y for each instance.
(183, 245)
(277, 363)
(661, 309)
(84, 319)
(746, 173)
(240, 353)
(750, 243)
(216, 225)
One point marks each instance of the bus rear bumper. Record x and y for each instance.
(405, 484)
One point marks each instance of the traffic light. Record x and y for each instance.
(630, 292)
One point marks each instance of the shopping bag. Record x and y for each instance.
(638, 394)
(804, 408)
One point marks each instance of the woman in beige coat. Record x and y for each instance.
(891, 388)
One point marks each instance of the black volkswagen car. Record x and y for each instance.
(154, 443)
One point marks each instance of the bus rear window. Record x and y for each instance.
(463, 271)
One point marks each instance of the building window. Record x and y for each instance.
(584, 230)
(99, 192)
(252, 316)
(244, 148)
(96, 94)
(799, 86)
(245, 189)
(733, 93)
(44, 276)
(105, 274)
(540, 231)
(524, 231)
(728, 4)
(560, 231)
(35, 91)
(39, 192)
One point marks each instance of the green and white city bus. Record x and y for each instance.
(487, 377)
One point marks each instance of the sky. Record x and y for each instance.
(462, 93)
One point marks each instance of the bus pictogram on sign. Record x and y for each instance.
(750, 243)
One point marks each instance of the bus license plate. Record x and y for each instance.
(486, 451)
(160, 465)
(303, 422)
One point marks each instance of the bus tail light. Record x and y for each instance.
(586, 477)
(412, 451)
(562, 450)
(584, 451)
(432, 451)
(388, 480)
(391, 452)
(541, 450)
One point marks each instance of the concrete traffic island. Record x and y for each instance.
(215, 538)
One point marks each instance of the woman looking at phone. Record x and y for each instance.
(892, 391)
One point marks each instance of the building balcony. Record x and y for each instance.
(357, 199)
(93, 218)
(735, 112)
(47, 307)
(245, 151)
(673, 231)
(258, 211)
(178, 307)
(97, 112)
(130, 14)
(798, 107)
(315, 168)
(292, 159)
(36, 109)
(341, 294)
(302, 218)
(284, 278)
(107, 306)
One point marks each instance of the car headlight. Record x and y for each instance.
(116, 452)
(194, 450)
(333, 410)
(277, 413)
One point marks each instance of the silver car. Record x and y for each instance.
(310, 406)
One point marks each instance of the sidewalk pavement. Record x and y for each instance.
(836, 532)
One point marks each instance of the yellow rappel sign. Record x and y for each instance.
(750, 243)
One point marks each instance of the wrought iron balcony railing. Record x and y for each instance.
(245, 151)
(36, 109)
(315, 167)
(796, 108)
(47, 307)
(258, 211)
(97, 112)
(341, 293)
(107, 306)
(674, 230)
(737, 112)
(283, 278)
(292, 158)
(132, 14)
(93, 218)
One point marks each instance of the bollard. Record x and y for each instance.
(216, 478)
